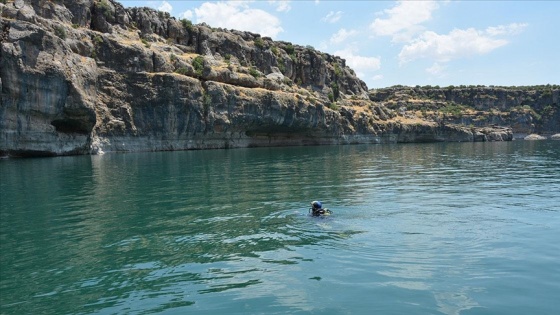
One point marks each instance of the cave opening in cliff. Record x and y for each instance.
(69, 126)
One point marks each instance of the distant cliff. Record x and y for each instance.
(527, 110)
(90, 76)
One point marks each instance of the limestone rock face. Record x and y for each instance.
(526, 110)
(48, 92)
(90, 76)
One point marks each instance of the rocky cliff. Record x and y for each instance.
(527, 110)
(88, 76)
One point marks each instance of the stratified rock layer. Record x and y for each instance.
(89, 76)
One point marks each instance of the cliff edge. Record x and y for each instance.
(90, 76)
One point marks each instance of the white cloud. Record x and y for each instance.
(238, 15)
(281, 5)
(360, 64)
(457, 44)
(377, 77)
(404, 19)
(511, 29)
(342, 35)
(332, 17)
(165, 7)
(187, 15)
(436, 69)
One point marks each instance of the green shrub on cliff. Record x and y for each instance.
(337, 70)
(97, 40)
(549, 110)
(254, 72)
(198, 65)
(227, 58)
(163, 15)
(60, 31)
(104, 7)
(333, 106)
(206, 102)
(187, 24)
(453, 109)
(335, 91)
(547, 93)
(281, 66)
(259, 42)
(290, 50)
(182, 70)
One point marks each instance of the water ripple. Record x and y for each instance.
(419, 229)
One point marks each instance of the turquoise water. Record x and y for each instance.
(462, 228)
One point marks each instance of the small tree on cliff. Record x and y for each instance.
(335, 91)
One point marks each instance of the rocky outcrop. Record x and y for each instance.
(48, 92)
(89, 76)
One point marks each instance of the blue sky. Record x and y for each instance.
(404, 42)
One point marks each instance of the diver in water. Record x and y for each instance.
(317, 209)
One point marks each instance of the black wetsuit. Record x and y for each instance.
(317, 211)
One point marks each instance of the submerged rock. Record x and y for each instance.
(534, 137)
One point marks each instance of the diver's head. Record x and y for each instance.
(317, 204)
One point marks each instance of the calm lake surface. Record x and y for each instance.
(457, 228)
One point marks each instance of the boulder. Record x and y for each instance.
(534, 137)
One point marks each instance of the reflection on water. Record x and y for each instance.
(423, 229)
